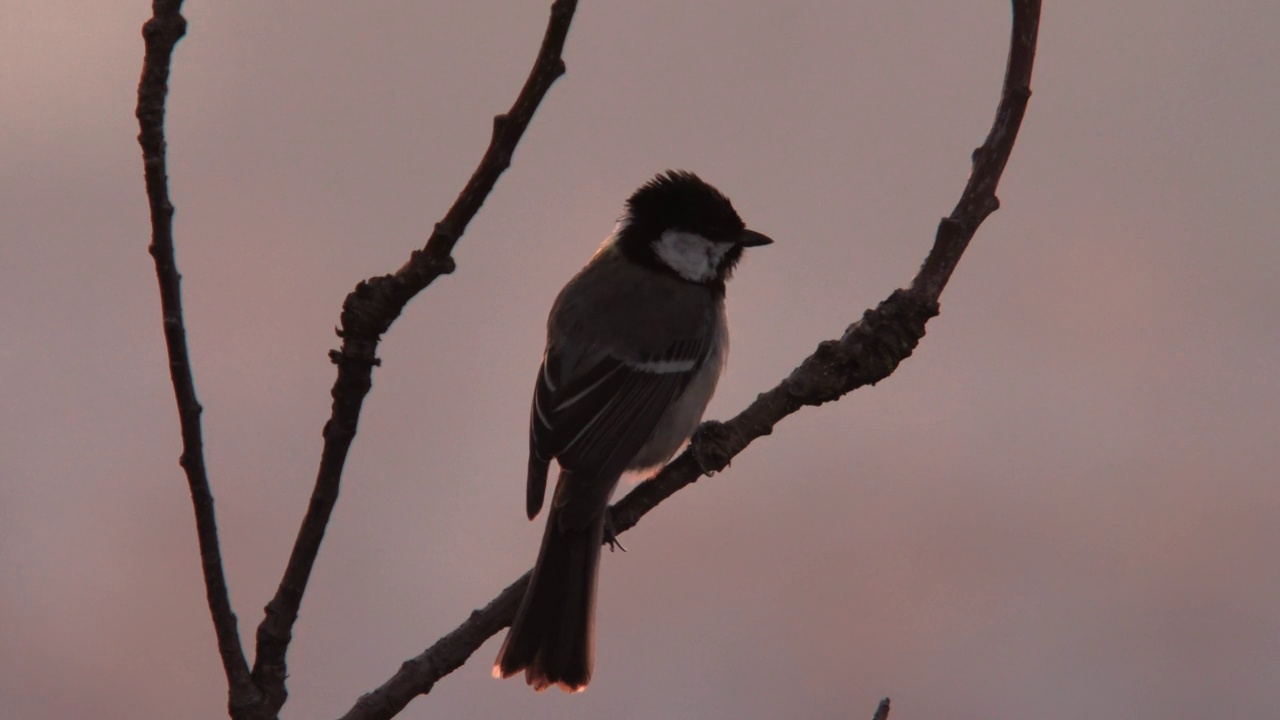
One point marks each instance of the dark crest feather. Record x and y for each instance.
(678, 199)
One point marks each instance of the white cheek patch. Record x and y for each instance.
(690, 255)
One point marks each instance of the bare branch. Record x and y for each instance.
(882, 711)
(165, 28)
(418, 675)
(367, 313)
(979, 197)
(868, 351)
(871, 348)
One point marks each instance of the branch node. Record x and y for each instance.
(444, 231)
(351, 357)
(952, 225)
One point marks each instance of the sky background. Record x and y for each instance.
(1064, 505)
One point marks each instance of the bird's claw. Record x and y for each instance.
(708, 449)
(610, 534)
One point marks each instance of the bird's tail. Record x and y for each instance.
(552, 636)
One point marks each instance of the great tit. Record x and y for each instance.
(635, 344)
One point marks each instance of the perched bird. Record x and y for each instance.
(635, 344)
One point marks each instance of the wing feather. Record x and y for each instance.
(596, 421)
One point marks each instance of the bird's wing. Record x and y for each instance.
(595, 421)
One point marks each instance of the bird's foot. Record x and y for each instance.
(610, 534)
(709, 447)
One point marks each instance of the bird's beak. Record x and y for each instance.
(751, 238)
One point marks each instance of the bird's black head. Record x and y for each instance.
(677, 223)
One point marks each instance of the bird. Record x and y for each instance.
(636, 342)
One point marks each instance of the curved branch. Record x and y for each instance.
(367, 313)
(979, 197)
(160, 34)
(868, 351)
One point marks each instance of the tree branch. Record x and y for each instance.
(165, 28)
(868, 351)
(979, 197)
(367, 313)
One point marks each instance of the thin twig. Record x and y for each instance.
(979, 197)
(868, 351)
(418, 675)
(367, 313)
(165, 28)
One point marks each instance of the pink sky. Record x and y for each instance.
(1064, 505)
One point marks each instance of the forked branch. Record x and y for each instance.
(367, 313)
